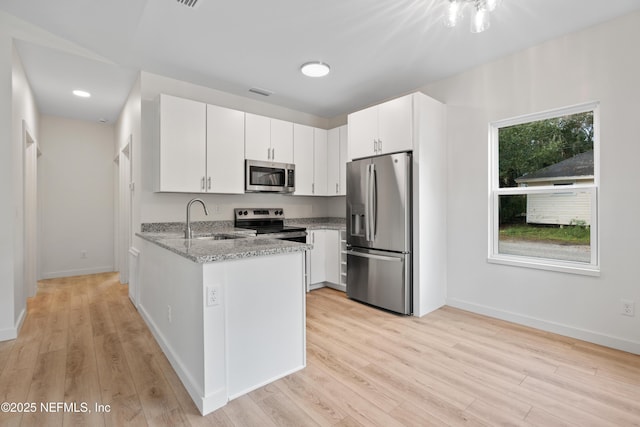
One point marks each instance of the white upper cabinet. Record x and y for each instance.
(225, 150)
(320, 162)
(268, 139)
(337, 161)
(201, 147)
(310, 158)
(381, 129)
(181, 145)
(281, 141)
(257, 138)
(303, 159)
(344, 158)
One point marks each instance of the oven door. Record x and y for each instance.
(267, 177)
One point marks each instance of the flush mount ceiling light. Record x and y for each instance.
(315, 69)
(480, 14)
(81, 93)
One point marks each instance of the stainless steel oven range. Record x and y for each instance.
(268, 223)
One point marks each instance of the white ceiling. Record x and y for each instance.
(376, 49)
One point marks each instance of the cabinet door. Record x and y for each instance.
(281, 141)
(363, 132)
(319, 162)
(343, 161)
(303, 159)
(395, 125)
(225, 150)
(333, 162)
(182, 147)
(317, 259)
(257, 144)
(332, 253)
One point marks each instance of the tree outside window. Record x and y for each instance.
(544, 188)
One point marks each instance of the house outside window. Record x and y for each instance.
(544, 189)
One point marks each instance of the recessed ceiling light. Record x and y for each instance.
(81, 93)
(315, 69)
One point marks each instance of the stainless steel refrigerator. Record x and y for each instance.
(379, 231)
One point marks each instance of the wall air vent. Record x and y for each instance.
(189, 3)
(263, 92)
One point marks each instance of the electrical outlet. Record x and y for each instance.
(627, 307)
(169, 317)
(213, 296)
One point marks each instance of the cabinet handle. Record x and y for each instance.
(268, 153)
(202, 183)
(379, 146)
(375, 146)
(209, 183)
(313, 188)
(273, 154)
(337, 188)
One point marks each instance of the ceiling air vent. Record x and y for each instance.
(263, 92)
(188, 3)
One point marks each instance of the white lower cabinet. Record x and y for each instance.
(317, 258)
(323, 261)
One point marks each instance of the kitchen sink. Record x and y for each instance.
(219, 237)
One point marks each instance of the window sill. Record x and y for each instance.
(545, 264)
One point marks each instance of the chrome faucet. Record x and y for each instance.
(188, 234)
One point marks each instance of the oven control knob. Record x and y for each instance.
(239, 212)
(278, 212)
(246, 213)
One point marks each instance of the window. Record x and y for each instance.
(544, 190)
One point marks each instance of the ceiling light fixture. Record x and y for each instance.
(315, 69)
(480, 15)
(81, 93)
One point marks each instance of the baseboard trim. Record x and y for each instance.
(12, 333)
(556, 328)
(269, 381)
(78, 272)
(205, 404)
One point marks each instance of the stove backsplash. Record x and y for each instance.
(170, 207)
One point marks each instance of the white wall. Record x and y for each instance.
(16, 105)
(128, 131)
(7, 190)
(601, 63)
(25, 113)
(77, 197)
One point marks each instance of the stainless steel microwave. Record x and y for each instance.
(269, 177)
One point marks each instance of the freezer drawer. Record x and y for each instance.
(380, 278)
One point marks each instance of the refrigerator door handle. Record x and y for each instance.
(374, 201)
(373, 256)
(369, 204)
(367, 211)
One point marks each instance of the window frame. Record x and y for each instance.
(593, 267)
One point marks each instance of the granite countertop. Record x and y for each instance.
(204, 248)
(323, 223)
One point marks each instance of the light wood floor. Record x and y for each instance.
(83, 341)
